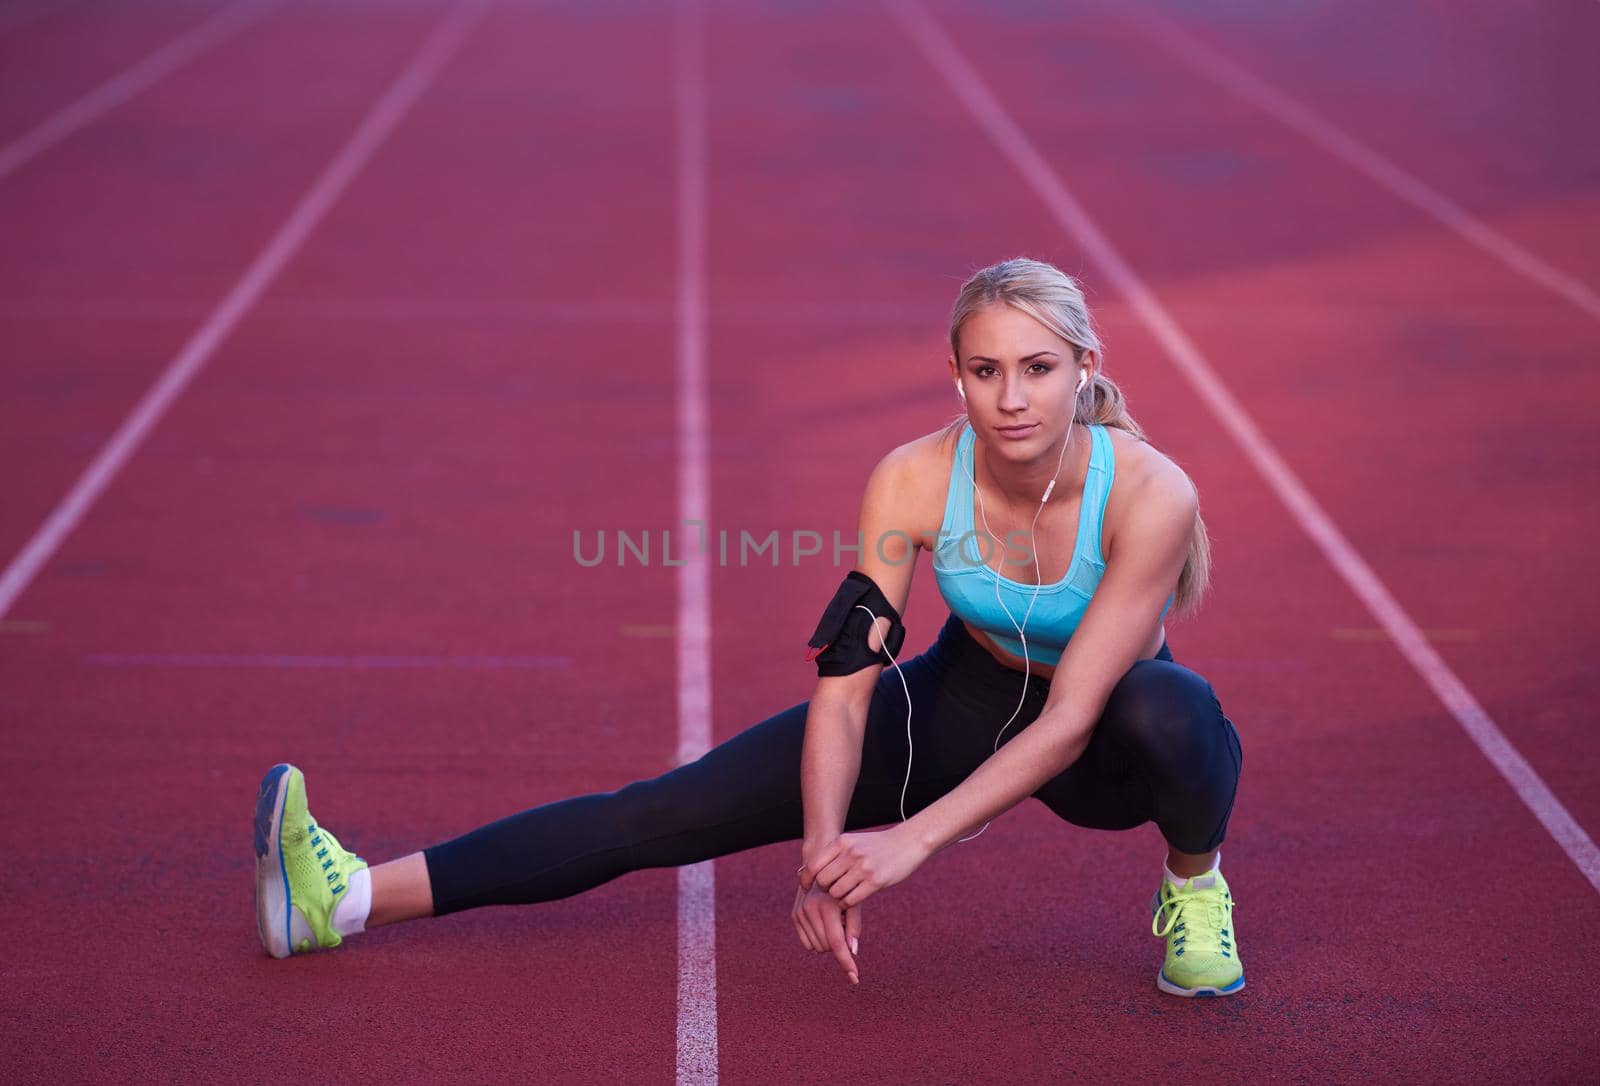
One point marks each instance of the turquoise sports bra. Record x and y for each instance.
(968, 586)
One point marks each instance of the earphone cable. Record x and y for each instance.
(1038, 577)
(1022, 635)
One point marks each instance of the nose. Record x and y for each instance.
(1013, 396)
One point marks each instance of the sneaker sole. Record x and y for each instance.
(272, 881)
(1204, 991)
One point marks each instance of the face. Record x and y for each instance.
(1019, 379)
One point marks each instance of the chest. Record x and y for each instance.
(1012, 543)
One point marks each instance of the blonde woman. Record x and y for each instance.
(1060, 538)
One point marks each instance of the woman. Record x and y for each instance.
(1045, 453)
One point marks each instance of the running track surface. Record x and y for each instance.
(348, 542)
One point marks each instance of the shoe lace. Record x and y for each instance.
(327, 850)
(1205, 913)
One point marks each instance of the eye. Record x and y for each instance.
(1041, 367)
(984, 371)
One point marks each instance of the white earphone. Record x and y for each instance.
(1022, 634)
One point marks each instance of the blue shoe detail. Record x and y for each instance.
(1206, 992)
(266, 803)
(266, 809)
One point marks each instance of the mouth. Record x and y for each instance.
(1019, 431)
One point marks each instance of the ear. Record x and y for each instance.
(1090, 361)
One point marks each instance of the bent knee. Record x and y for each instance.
(1160, 705)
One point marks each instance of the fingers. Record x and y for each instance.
(829, 873)
(823, 925)
(810, 869)
(834, 923)
(847, 883)
(852, 929)
(809, 938)
(855, 897)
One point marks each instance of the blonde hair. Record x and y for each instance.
(1054, 299)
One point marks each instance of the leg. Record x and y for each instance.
(1187, 864)
(1162, 751)
(401, 890)
(742, 794)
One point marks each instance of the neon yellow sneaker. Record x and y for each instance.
(1202, 952)
(301, 872)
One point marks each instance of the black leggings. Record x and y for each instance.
(1162, 751)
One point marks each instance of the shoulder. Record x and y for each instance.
(911, 481)
(922, 458)
(1150, 489)
(919, 464)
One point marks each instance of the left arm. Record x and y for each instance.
(1142, 569)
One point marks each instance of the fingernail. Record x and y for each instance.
(855, 945)
(854, 979)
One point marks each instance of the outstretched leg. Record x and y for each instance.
(741, 794)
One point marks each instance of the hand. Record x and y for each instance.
(854, 866)
(824, 925)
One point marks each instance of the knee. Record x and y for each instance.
(644, 808)
(1162, 708)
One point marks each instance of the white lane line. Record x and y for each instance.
(1358, 156)
(335, 178)
(163, 62)
(992, 117)
(697, 899)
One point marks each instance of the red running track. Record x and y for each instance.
(380, 469)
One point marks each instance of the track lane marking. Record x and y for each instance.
(697, 898)
(1298, 116)
(219, 27)
(379, 122)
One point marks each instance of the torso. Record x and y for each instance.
(1057, 527)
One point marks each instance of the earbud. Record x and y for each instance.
(1083, 380)
(961, 390)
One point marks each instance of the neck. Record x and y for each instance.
(1023, 483)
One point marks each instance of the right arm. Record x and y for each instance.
(836, 722)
